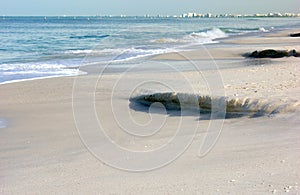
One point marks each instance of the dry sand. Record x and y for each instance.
(41, 151)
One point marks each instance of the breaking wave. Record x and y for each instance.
(29, 71)
(205, 37)
(232, 31)
(122, 54)
(212, 34)
(242, 107)
(209, 36)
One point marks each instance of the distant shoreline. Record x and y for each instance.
(185, 15)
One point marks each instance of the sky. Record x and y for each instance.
(142, 7)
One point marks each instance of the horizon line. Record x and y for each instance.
(147, 15)
(155, 16)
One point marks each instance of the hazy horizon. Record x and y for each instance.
(139, 8)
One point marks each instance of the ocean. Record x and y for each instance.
(40, 47)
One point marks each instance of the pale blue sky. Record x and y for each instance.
(141, 7)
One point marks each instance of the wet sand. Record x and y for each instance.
(42, 152)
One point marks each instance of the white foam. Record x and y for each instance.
(261, 29)
(119, 54)
(212, 34)
(10, 73)
(79, 51)
(30, 66)
(196, 37)
(134, 53)
(42, 77)
(125, 54)
(16, 72)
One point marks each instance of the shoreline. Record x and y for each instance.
(253, 40)
(42, 150)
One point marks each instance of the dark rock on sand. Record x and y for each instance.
(271, 53)
(295, 35)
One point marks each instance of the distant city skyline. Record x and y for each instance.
(140, 7)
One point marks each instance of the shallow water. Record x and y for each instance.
(35, 47)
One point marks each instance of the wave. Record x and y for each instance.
(241, 107)
(30, 66)
(209, 36)
(79, 51)
(240, 31)
(12, 72)
(28, 71)
(134, 53)
(96, 51)
(212, 34)
(261, 29)
(124, 54)
(89, 37)
(121, 54)
(205, 37)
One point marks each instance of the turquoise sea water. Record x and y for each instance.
(35, 47)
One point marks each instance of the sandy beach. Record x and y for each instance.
(42, 151)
